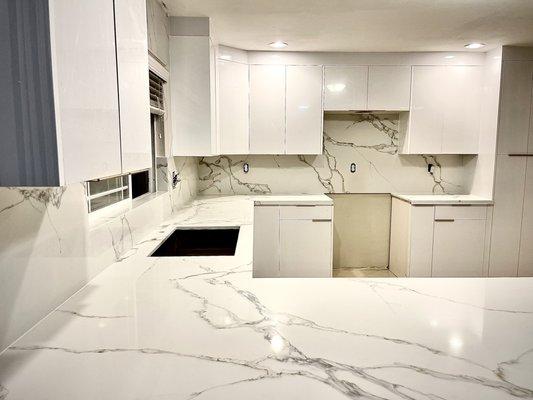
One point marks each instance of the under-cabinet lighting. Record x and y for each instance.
(449, 57)
(225, 57)
(278, 44)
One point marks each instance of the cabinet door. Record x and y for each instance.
(515, 109)
(267, 109)
(132, 62)
(158, 29)
(85, 87)
(458, 248)
(507, 215)
(191, 91)
(233, 107)
(345, 88)
(304, 110)
(461, 94)
(266, 242)
(389, 87)
(525, 264)
(426, 119)
(305, 248)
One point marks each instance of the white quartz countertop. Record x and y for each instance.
(203, 328)
(442, 199)
(288, 200)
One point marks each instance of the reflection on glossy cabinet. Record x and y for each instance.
(389, 87)
(132, 63)
(345, 88)
(233, 107)
(267, 109)
(303, 110)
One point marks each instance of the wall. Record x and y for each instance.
(369, 140)
(50, 248)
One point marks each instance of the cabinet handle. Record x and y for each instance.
(520, 155)
(321, 220)
(444, 220)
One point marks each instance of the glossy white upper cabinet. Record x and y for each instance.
(515, 109)
(267, 109)
(132, 62)
(233, 107)
(304, 110)
(158, 29)
(345, 88)
(445, 110)
(192, 88)
(85, 86)
(389, 87)
(525, 261)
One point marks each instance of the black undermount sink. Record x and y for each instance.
(184, 242)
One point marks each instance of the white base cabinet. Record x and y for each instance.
(293, 241)
(439, 241)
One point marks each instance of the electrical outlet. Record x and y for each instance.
(246, 168)
(175, 179)
(353, 168)
(430, 168)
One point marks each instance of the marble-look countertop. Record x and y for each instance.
(202, 328)
(443, 199)
(288, 200)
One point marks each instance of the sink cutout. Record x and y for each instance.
(190, 242)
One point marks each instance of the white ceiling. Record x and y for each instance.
(364, 25)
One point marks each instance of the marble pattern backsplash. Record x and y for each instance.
(371, 141)
(50, 248)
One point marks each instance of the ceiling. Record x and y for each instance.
(364, 25)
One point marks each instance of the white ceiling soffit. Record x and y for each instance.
(364, 25)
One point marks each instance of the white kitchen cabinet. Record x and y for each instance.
(459, 242)
(508, 208)
(304, 250)
(444, 111)
(525, 261)
(304, 110)
(59, 117)
(389, 87)
(158, 29)
(345, 88)
(233, 108)
(439, 240)
(192, 89)
(293, 241)
(267, 109)
(132, 63)
(515, 107)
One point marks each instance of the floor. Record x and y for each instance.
(203, 328)
(362, 273)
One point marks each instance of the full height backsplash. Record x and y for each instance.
(371, 141)
(50, 248)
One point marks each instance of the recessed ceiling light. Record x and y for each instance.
(474, 45)
(278, 44)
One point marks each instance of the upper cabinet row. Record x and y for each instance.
(269, 109)
(75, 105)
(356, 88)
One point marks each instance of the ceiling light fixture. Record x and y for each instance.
(278, 44)
(449, 57)
(475, 45)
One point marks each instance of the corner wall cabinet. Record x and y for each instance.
(60, 115)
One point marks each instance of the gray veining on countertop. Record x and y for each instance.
(203, 328)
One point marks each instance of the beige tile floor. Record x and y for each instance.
(362, 273)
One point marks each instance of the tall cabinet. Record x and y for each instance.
(512, 233)
(64, 100)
